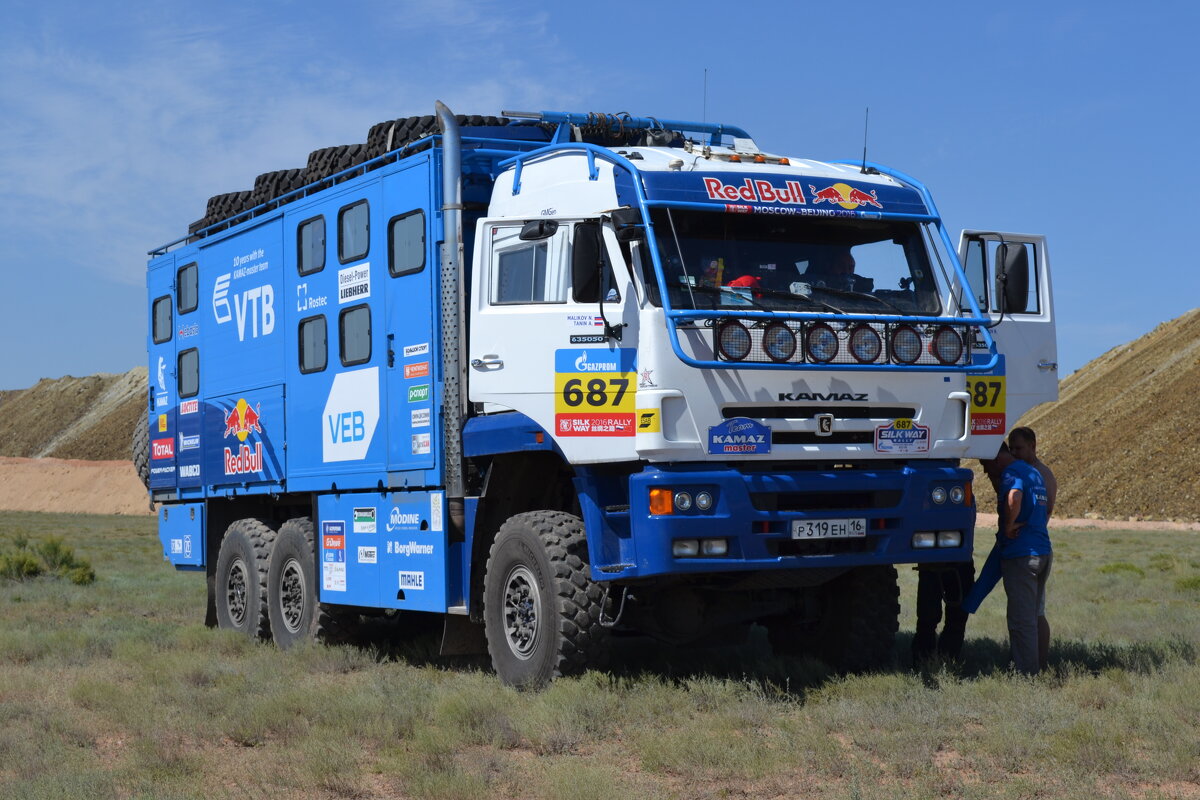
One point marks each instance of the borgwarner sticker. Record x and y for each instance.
(902, 436)
(739, 436)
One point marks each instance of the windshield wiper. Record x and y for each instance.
(852, 293)
(731, 292)
(806, 298)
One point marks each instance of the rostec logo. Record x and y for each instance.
(162, 448)
(756, 191)
(845, 196)
(256, 306)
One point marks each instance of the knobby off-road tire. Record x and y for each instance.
(292, 584)
(858, 616)
(140, 450)
(241, 578)
(541, 609)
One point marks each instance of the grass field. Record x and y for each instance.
(116, 689)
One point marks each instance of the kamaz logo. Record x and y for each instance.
(831, 397)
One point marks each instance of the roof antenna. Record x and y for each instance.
(865, 169)
(704, 113)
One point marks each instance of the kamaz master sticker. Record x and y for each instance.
(594, 391)
(902, 436)
(739, 436)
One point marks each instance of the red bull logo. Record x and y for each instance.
(242, 420)
(845, 196)
(755, 191)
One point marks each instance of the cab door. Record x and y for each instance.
(1009, 274)
(161, 344)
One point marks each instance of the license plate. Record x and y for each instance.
(828, 528)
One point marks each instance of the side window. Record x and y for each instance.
(522, 276)
(310, 246)
(187, 288)
(161, 322)
(314, 344)
(977, 274)
(354, 231)
(188, 373)
(354, 332)
(406, 243)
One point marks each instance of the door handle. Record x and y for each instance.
(487, 362)
(1051, 365)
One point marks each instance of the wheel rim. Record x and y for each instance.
(522, 602)
(292, 590)
(235, 592)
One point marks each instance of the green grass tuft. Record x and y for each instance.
(1191, 584)
(1119, 567)
(23, 559)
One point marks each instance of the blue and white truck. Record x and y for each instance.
(557, 377)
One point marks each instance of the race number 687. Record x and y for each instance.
(596, 392)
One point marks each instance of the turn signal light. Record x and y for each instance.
(662, 501)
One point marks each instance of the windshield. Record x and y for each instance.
(719, 260)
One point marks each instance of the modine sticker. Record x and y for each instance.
(350, 416)
(420, 444)
(739, 436)
(364, 520)
(398, 520)
(354, 283)
(902, 436)
(594, 391)
(420, 417)
(366, 555)
(412, 580)
(413, 350)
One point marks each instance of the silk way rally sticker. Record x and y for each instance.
(902, 436)
(739, 436)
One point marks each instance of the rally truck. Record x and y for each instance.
(560, 377)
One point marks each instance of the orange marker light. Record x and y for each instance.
(760, 159)
(784, 162)
(969, 498)
(662, 501)
(736, 158)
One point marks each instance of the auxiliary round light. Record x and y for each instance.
(779, 342)
(733, 340)
(906, 344)
(865, 344)
(683, 501)
(947, 345)
(938, 495)
(821, 342)
(957, 495)
(704, 501)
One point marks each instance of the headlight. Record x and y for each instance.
(938, 495)
(949, 538)
(947, 345)
(685, 548)
(714, 547)
(924, 539)
(704, 501)
(865, 344)
(733, 340)
(957, 495)
(906, 344)
(821, 343)
(683, 501)
(779, 342)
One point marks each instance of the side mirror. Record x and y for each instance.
(1012, 277)
(628, 224)
(538, 229)
(586, 263)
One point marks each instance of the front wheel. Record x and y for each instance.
(541, 609)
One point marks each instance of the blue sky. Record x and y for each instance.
(117, 122)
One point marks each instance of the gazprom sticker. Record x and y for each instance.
(739, 436)
(902, 436)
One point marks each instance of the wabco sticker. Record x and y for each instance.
(902, 436)
(364, 520)
(594, 391)
(845, 196)
(648, 421)
(366, 555)
(414, 350)
(739, 436)
(354, 283)
(189, 471)
(414, 581)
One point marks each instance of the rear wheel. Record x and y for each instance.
(291, 584)
(241, 578)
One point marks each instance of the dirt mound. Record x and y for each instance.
(74, 418)
(69, 486)
(1123, 439)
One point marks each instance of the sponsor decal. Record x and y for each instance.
(162, 448)
(333, 576)
(254, 308)
(350, 416)
(588, 339)
(755, 191)
(420, 444)
(594, 392)
(177, 547)
(902, 436)
(333, 541)
(420, 417)
(189, 471)
(162, 399)
(189, 406)
(162, 376)
(240, 422)
(244, 459)
(399, 519)
(189, 442)
(409, 549)
(988, 416)
(417, 370)
(646, 379)
(162, 470)
(367, 555)
(414, 350)
(188, 331)
(435, 511)
(824, 424)
(845, 196)
(354, 283)
(739, 436)
(304, 302)
(162, 423)
(585, 321)
(414, 581)
(823, 397)
(418, 394)
(648, 421)
(363, 520)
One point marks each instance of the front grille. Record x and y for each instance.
(825, 501)
(810, 412)
(824, 547)
(837, 437)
